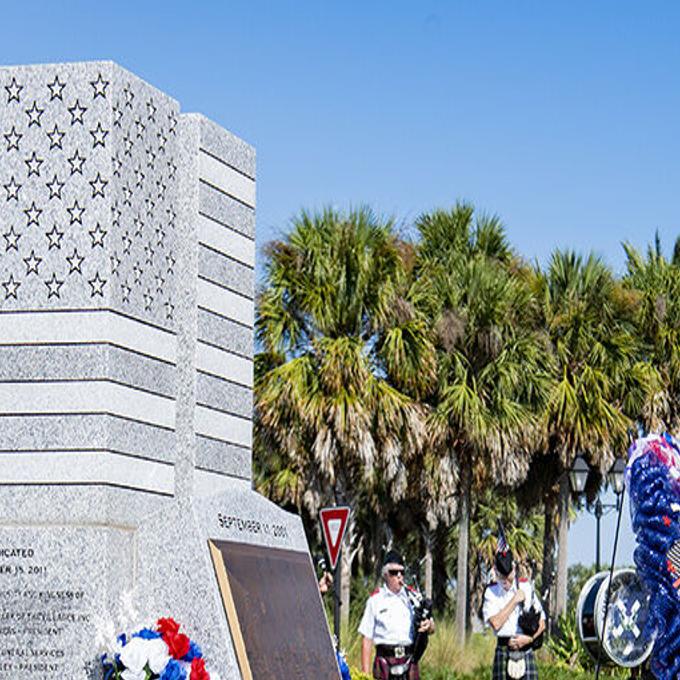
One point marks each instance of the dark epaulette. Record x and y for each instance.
(376, 591)
(524, 580)
(411, 588)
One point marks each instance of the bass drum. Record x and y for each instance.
(624, 642)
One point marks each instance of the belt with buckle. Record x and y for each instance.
(395, 651)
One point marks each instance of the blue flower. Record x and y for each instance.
(147, 634)
(193, 653)
(173, 671)
(109, 667)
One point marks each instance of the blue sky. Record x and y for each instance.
(561, 117)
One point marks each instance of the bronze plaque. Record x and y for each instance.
(277, 621)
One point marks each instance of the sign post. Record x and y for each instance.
(334, 524)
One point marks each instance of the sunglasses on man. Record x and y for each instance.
(395, 572)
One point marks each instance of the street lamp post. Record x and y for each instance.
(578, 476)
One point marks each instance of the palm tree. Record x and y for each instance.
(657, 283)
(601, 383)
(335, 330)
(490, 362)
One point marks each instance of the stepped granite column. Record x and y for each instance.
(126, 373)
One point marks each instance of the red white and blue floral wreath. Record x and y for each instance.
(162, 653)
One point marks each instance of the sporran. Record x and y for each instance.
(517, 665)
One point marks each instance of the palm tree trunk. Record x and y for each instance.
(563, 532)
(346, 577)
(428, 563)
(346, 559)
(440, 576)
(462, 564)
(549, 540)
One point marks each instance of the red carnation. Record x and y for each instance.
(178, 645)
(167, 627)
(198, 671)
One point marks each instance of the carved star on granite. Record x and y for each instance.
(56, 88)
(160, 235)
(169, 310)
(33, 164)
(151, 110)
(137, 272)
(76, 162)
(139, 124)
(53, 286)
(129, 95)
(148, 300)
(34, 114)
(74, 262)
(11, 286)
(33, 215)
(55, 187)
(97, 285)
(12, 189)
(12, 238)
(54, 237)
(128, 144)
(13, 91)
(116, 213)
(125, 291)
(162, 141)
(98, 185)
(160, 281)
(149, 251)
(172, 120)
(117, 116)
(127, 243)
(56, 137)
(32, 263)
(99, 86)
(13, 138)
(140, 176)
(139, 226)
(117, 165)
(75, 213)
(97, 235)
(151, 157)
(171, 263)
(77, 112)
(127, 195)
(99, 136)
(115, 263)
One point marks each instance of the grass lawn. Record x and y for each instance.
(444, 660)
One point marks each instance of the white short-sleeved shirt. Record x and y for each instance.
(495, 599)
(388, 618)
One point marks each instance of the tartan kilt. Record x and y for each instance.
(500, 664)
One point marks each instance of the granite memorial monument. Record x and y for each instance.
(126, 375)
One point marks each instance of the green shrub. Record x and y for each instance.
(565, 646)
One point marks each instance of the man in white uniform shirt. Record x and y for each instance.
(387, 622)
(504, 601)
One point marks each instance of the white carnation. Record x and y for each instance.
(135, 655)
(133, 675)
(157, 651)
